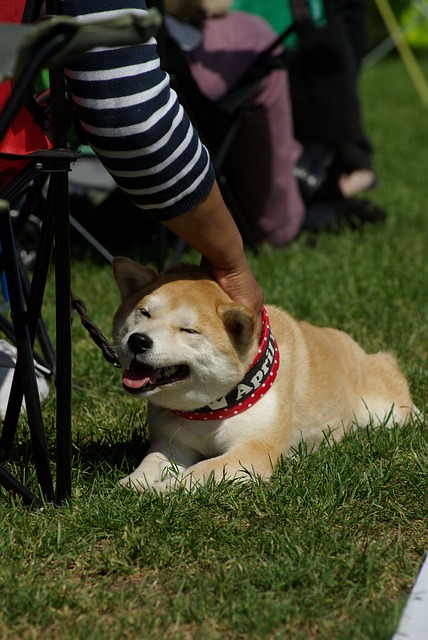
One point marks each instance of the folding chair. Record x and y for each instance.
(25, 50)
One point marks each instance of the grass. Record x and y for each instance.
(331, 546)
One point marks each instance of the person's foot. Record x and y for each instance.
(357, 181)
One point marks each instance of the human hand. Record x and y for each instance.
(211, 230)
(239, 283)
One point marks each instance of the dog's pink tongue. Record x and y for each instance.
(139, 376)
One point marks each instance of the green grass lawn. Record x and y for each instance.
(331, 546)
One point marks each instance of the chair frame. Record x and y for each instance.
(55, 232)
(57, 44)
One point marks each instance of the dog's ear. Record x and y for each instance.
(239, 323)
(131, 277)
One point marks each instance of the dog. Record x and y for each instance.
(224, 402)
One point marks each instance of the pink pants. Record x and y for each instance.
(261, 161)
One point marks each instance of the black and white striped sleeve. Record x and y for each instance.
(133, 120)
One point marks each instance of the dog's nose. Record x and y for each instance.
(139, 342)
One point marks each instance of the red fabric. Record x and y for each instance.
(24, 135)
(12, 11)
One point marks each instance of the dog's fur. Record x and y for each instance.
(325, 384)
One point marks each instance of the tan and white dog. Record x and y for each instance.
(225, 403)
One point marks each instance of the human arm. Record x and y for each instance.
(134, 122)
(210, 229)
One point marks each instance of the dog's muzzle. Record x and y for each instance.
(142, 377)
(139, 343)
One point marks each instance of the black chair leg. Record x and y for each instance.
(25, 364)
(55, 227)
(63, 338)
(10, 483)
(34, 305)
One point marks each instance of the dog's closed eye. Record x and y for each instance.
(188, 330)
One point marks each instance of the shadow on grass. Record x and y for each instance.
(120, 455)
(92, 458)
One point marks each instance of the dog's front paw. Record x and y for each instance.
(187, 482)
(135, 483)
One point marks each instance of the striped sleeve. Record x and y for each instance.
(133, 120)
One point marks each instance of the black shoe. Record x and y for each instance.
(359, 211)
(312, 167)
(330, 216)
(322, 216)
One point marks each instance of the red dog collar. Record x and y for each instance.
(253, 386)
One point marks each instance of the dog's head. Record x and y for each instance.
(196, 10)
(181, 340)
